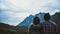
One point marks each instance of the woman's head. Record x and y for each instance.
(36, 20)
(47, 16)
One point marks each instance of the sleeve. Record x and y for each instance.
(56, 30)
(30, 30)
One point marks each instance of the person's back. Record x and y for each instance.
(48, 27)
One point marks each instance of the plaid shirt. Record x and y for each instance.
(49, 27)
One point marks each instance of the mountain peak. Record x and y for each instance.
(28, 20)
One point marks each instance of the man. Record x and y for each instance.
(48, 26)
(35, 27)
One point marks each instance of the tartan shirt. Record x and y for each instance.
(49, 27)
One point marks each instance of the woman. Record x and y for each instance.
(35, 28)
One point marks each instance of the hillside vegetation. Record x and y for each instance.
(8, 29)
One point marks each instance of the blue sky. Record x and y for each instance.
(15, 11)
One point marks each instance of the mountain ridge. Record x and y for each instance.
(28, 20)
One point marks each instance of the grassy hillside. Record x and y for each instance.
(8, 29)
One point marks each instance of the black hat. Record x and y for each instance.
(47, 16)
(36, 20)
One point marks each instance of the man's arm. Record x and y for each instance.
(56, 30)
(30, 29)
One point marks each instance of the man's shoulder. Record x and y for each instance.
(52, 22)
(31, 25)
(42, 23)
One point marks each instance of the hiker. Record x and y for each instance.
(48, 26)
(35, 27)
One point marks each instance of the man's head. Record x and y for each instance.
(47, 16)
(36, 20)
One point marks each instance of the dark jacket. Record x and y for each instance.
(35, 29)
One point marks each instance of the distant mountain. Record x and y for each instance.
(56, 17)
(28, 20)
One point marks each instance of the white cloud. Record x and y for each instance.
(18, 10)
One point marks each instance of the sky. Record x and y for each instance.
(15, 11)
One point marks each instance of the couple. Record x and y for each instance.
(46, 27)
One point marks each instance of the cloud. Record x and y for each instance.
(11, 17)
(59, 4)
(15, 11)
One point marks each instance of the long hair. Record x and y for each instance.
(36, 20)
